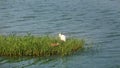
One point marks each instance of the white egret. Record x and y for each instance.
(62, 37)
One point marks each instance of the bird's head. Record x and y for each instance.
(60, 34)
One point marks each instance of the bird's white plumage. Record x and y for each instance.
(62, 37)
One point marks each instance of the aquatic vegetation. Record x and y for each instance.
(29, 45)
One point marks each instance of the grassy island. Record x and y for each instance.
(28, 45)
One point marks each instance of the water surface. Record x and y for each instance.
(97, 21)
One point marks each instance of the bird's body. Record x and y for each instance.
(62, 37)
(54, 44)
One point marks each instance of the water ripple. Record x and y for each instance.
(96, 21)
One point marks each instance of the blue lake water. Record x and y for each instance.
(97, 21)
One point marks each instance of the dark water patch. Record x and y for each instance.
(106, 11)
(4, 27)
(108, 56)
(113, 35)
(29, 61)
(60, 19)
(40, 61)
(19, 20)
(28, 17)
(82, 14)
(24, 24)
(114, 66)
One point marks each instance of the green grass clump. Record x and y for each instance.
(29, 45)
